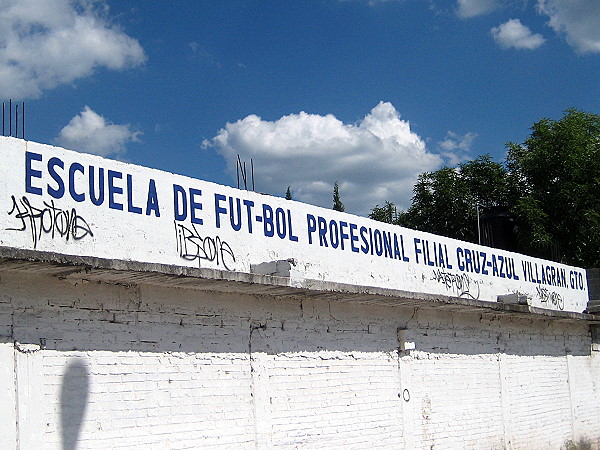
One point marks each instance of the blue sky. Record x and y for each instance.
(368, 93)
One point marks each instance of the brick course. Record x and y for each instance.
(144, 366)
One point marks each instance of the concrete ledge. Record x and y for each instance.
(133, 272)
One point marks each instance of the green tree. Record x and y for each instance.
(387, 213)
(550, 186)
(337, 202)
(556, 173)
(445, 202)
(288, 193)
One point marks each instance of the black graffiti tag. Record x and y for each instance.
(48, 220)
(192, 246)
(461, 284)
(547, 296)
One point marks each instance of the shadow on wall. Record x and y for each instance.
(73, 401)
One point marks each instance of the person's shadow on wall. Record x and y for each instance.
(73, 402)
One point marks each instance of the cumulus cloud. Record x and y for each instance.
(472, 8)
(456, 148)
(89, 132)
(578, 20)
(374, 160)
(44, 44)
(513, 34)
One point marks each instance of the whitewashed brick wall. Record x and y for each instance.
(108, 366)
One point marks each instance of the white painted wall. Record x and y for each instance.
(105, 366)
(46, 204)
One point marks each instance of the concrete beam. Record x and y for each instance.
(132, 272)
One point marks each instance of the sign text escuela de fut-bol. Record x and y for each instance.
(72, 203)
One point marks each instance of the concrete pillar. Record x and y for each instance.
(29, 396)
(593, 278)
(8, 419)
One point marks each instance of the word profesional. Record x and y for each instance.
(339, 234)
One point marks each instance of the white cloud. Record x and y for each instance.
(472, 8)
(90, 132)
(44, 44)
(456, 147)
(578, 20)
(374, 160)
(513, 34)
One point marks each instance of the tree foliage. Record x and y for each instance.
(557, 174)
(550, 185)
(337, 202)
(387, 213)
(445, 202)
(288, 193)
